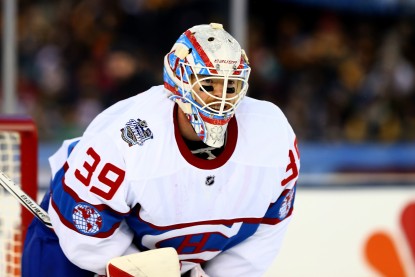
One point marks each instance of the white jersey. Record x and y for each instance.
(130, 184)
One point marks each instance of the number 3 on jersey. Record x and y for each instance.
(110, 175)
(292, 166)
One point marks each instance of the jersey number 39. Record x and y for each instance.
(110, 175)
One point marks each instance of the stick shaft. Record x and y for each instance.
(24, 199)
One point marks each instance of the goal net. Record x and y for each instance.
(18, 160)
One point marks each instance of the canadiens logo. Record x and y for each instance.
(86, 219)
(136, 132)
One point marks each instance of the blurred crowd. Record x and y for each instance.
(338, 76)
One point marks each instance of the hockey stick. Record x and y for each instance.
(152, 263)
(24, 199)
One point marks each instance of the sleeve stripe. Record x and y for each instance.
(274, 221)
(72, 227)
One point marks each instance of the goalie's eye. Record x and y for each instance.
(230, 90)
(207, 88)
(216, 85)
(206, 82)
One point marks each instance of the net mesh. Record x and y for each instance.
(10, 209)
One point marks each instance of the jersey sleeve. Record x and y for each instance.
(88, 202)
(254, 256)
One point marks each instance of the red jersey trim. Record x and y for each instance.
(230, 146)
(226, 222)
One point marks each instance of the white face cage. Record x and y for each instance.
(216, 104)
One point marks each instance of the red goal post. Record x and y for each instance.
(18, 160)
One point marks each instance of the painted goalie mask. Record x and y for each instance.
(208, 61)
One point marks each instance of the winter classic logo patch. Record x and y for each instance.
(86, 219)
(136, 132)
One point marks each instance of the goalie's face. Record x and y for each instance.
(215, 94)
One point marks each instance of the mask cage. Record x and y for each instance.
(222, 105)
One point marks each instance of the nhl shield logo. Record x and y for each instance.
(136, 132)
(210, 180)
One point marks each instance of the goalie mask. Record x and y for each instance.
(207, 73)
